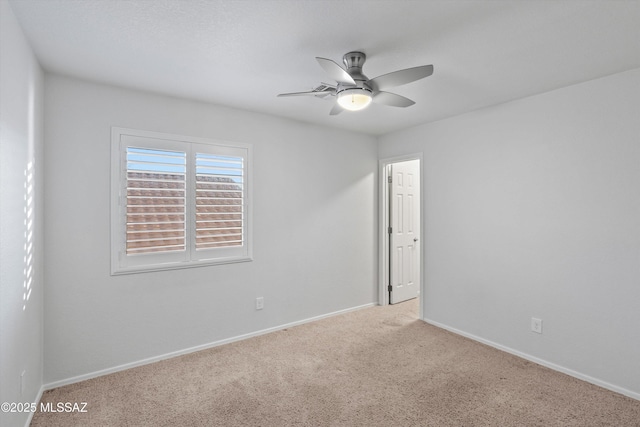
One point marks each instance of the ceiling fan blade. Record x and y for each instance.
(337, 109)
(335, 71)
(392, 99)
(400, 77)
(312, 93)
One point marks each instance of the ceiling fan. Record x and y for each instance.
(355, 91)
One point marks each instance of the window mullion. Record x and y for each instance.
(190, 201)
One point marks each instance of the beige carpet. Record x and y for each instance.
(374, 367)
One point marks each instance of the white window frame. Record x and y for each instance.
(121, 263)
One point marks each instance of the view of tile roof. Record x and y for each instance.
(155, 220)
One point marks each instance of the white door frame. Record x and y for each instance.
(383, 261)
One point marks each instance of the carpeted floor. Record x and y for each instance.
(373, 367)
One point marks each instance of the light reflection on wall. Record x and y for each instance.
(28, 233)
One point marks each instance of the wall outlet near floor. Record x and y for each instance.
(536, 325)
(259, 303)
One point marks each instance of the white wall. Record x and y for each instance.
(532, 209)
(314, 232)
(21, 348)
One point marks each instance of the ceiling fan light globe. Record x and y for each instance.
(354, 99)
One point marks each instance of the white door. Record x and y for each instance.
(404, 232)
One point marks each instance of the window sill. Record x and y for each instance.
(178, 265)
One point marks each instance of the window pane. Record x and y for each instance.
(219, 201)
(155, 219)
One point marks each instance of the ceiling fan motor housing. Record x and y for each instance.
(354, 62)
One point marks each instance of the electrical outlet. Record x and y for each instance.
(536, 325)
(259, 303)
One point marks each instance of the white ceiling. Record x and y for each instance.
(243, 53)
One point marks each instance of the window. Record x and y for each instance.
(177, 201)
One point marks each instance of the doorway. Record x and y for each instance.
(401, 263)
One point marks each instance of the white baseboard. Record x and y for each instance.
(37, 401)
(550, 365)
(147, 361)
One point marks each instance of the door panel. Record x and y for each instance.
(405, 231)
